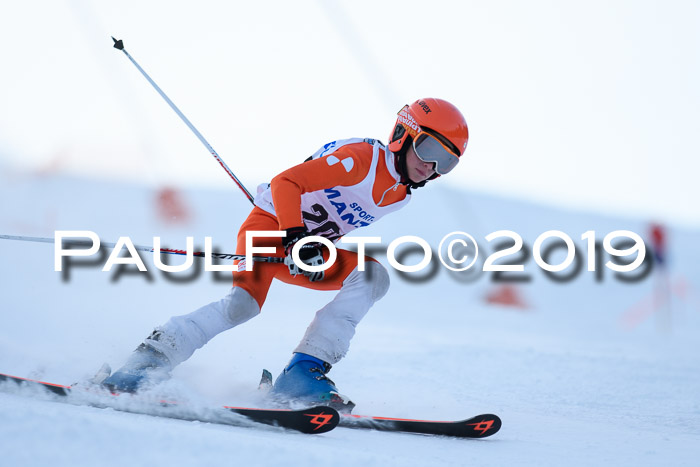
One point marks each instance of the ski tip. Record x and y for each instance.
(483, 425)
(118, 44)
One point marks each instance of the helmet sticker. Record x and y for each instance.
(424, 105)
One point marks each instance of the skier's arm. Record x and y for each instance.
(347, 166)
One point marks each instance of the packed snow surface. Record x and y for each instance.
(589, 371)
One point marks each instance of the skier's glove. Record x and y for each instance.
(309, 254)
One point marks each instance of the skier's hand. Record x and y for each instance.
(310, 254)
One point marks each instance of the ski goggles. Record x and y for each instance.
(430, 149)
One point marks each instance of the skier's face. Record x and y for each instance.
(416, 168)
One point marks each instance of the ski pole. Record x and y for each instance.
(171, 251)
(119, 44)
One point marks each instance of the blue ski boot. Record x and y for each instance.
(145, 366)
(304, 380)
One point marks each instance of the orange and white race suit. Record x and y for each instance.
(345, 185)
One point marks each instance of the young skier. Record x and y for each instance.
(345, 185)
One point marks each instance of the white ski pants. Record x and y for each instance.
(327, 337)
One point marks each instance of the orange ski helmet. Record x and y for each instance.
(435, 116)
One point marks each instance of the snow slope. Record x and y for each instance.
(589, 373)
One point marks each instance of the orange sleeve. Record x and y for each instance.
(347, 166)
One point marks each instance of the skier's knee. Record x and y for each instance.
(378, 278)
(240, 306)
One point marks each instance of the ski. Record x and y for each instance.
(319, 419)
(479, 426)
